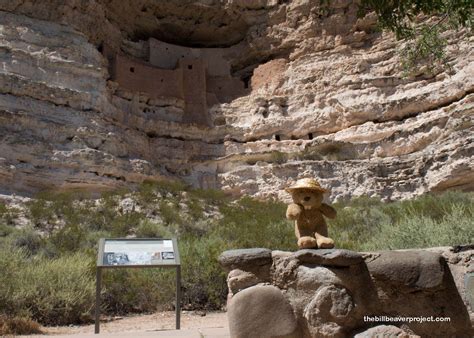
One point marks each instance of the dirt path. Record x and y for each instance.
(157, 321)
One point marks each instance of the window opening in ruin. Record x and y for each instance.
(100, 48)
(246, 81)
(190, 66)
(277, 137)
(132, 69)
(310, 136)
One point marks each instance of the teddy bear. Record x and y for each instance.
(308, 212)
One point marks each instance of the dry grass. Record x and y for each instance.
(18, 326)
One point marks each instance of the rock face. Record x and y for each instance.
(340, 293)
(325, 97)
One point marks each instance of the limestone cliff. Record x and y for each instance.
(325, 97)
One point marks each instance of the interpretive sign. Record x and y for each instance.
(137, 253)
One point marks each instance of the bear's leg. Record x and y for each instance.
(307, 242)
(323, 242)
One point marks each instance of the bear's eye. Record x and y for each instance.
(307, 198)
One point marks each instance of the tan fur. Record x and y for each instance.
(308, 212)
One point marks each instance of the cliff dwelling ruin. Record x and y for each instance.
(201, 77)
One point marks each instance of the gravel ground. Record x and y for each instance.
(153, 322)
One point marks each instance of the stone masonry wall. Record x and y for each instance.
(328, 292)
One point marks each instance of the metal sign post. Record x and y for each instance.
(137, 253)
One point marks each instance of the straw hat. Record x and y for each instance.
(306, 183)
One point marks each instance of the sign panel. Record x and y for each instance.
(137, 252)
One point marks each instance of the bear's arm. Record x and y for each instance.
(293, 211)
(328, 211)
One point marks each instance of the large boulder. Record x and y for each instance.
(260, 311)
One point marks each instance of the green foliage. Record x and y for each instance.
(278, 157)
(48, 276)
(425, 45)
(27, 239)
(414, 231)
(142, 290)
(204, 283)
(8, 215)
(428, 49)
(169, 213)
(252, 223)
(210, 196)
(52, 291)
(151, 229)
(429, 220)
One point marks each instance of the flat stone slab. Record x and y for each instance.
(329, 257)
(417, 269)
(235, 259)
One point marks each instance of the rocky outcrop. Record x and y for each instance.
(340, 293)
(326, 98)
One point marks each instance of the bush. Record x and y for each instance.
(278, 157)
(150, 229)
(429, 220)
(420, 231)
(142, 290)
(51, 291)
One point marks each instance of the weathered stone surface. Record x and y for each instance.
(244, 258)
(329, 310)
(419, 283)
(410, 269)
(260, 311)
(385, 331)
(331, 300)
(329, 88)
(238, 280)
(329, 257)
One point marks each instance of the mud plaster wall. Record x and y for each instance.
(194, 89)
(225, 88)
(138, 77)
(201, 77)
(165, 55)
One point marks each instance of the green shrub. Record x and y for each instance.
(210, 196)
(8, 215)
(420, 231)
(278, 157)
(150, 229)
(204, 281)
(27, 239)
(253, 223)
(428, 220)
(169, 213)
(138, 290)
(51, 291)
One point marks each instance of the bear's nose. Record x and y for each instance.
(307, 198)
